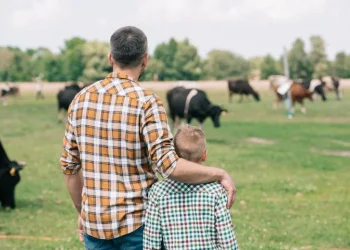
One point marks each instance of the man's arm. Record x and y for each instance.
(157, 135)
(225, 235)
(74, 184)
(193, 173)
(152, 236)
(70, 164)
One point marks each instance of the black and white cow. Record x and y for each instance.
(9, 178)
(332, 83)
(6, 91)
(316, 86)
(192, 104)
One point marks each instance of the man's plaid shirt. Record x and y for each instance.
(185, 217)
(116, 132)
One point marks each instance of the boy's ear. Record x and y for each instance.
(204, 156)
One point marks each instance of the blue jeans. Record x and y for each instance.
(131, 241)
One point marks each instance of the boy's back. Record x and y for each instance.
(185, 216)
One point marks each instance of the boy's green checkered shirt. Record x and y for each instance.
(185, 216)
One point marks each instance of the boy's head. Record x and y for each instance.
(190, 143)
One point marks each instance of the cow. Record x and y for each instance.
(316, 86)
(65, 97)
(298, 94)
(9, 178)
(192, 104)
(332, 83)
(241, 87)
(6, 91)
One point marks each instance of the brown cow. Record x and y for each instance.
(298, 94)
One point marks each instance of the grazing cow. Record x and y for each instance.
(6, 91)
(332, 83)
(65, 97)
(192, 103)
(298, 94)
(241, 87)
(9, 178)
(315, 85)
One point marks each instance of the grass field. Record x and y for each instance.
(291, 194)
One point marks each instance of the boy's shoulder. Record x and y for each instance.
(163, 187)
(168, 186)
(213, 187)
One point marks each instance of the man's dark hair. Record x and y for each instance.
(128, 46)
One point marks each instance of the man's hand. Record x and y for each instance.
(80, 229)
(230, 188)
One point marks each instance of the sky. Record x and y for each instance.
(246, 27)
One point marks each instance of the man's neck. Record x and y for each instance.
(134, 73)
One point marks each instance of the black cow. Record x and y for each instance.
(241, 87)
(192, 104)
(9, 178)
(65, 97)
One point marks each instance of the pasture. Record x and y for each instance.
(293, 188)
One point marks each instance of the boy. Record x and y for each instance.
(186, 216)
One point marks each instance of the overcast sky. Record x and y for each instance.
(246, 27)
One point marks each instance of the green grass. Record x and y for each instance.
(289, 197)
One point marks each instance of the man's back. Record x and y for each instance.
(185, 216)
(108, 124)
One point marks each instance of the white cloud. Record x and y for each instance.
(39, 12)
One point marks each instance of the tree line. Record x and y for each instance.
(81, 60)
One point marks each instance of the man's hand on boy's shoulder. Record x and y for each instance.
(231, 190)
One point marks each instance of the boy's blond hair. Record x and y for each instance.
(190, 143)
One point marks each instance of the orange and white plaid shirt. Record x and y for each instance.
(116, 132)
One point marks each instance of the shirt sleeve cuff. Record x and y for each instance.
(70, 171)
(168, 171)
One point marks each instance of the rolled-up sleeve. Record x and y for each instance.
(157, 136)
(70, 158)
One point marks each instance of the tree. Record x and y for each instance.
(7, 57)
(299, 64)
(318, 57)
(222, 64)
(186, 61)
(154, 67)
(347, 66)
(72, 57)
(255, 64)
(165, 52)
(95, 61)
(339, 66)
(269, 67)
(20, 67)
(53, 69)
(39, 58)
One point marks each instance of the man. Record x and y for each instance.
(39, 88)
(118, 134)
